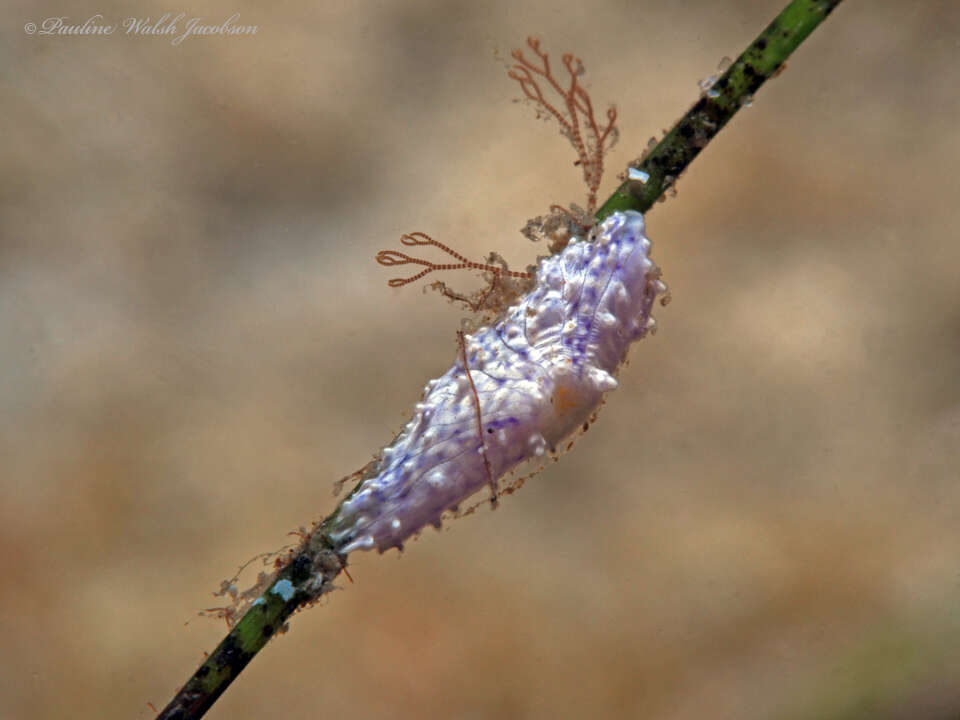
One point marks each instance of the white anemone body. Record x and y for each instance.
(540, 373)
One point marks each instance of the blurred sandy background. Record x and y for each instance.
(195, 343)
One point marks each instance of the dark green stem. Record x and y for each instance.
(735, 88)
(307, 575)
(312, 569)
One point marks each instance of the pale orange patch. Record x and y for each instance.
(565, 399)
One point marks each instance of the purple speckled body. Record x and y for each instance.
(540, 372)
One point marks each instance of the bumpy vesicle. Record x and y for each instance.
(540, 372)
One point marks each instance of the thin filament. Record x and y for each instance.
(476, 405)
(395, 257)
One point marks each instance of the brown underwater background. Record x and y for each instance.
(195, 343)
